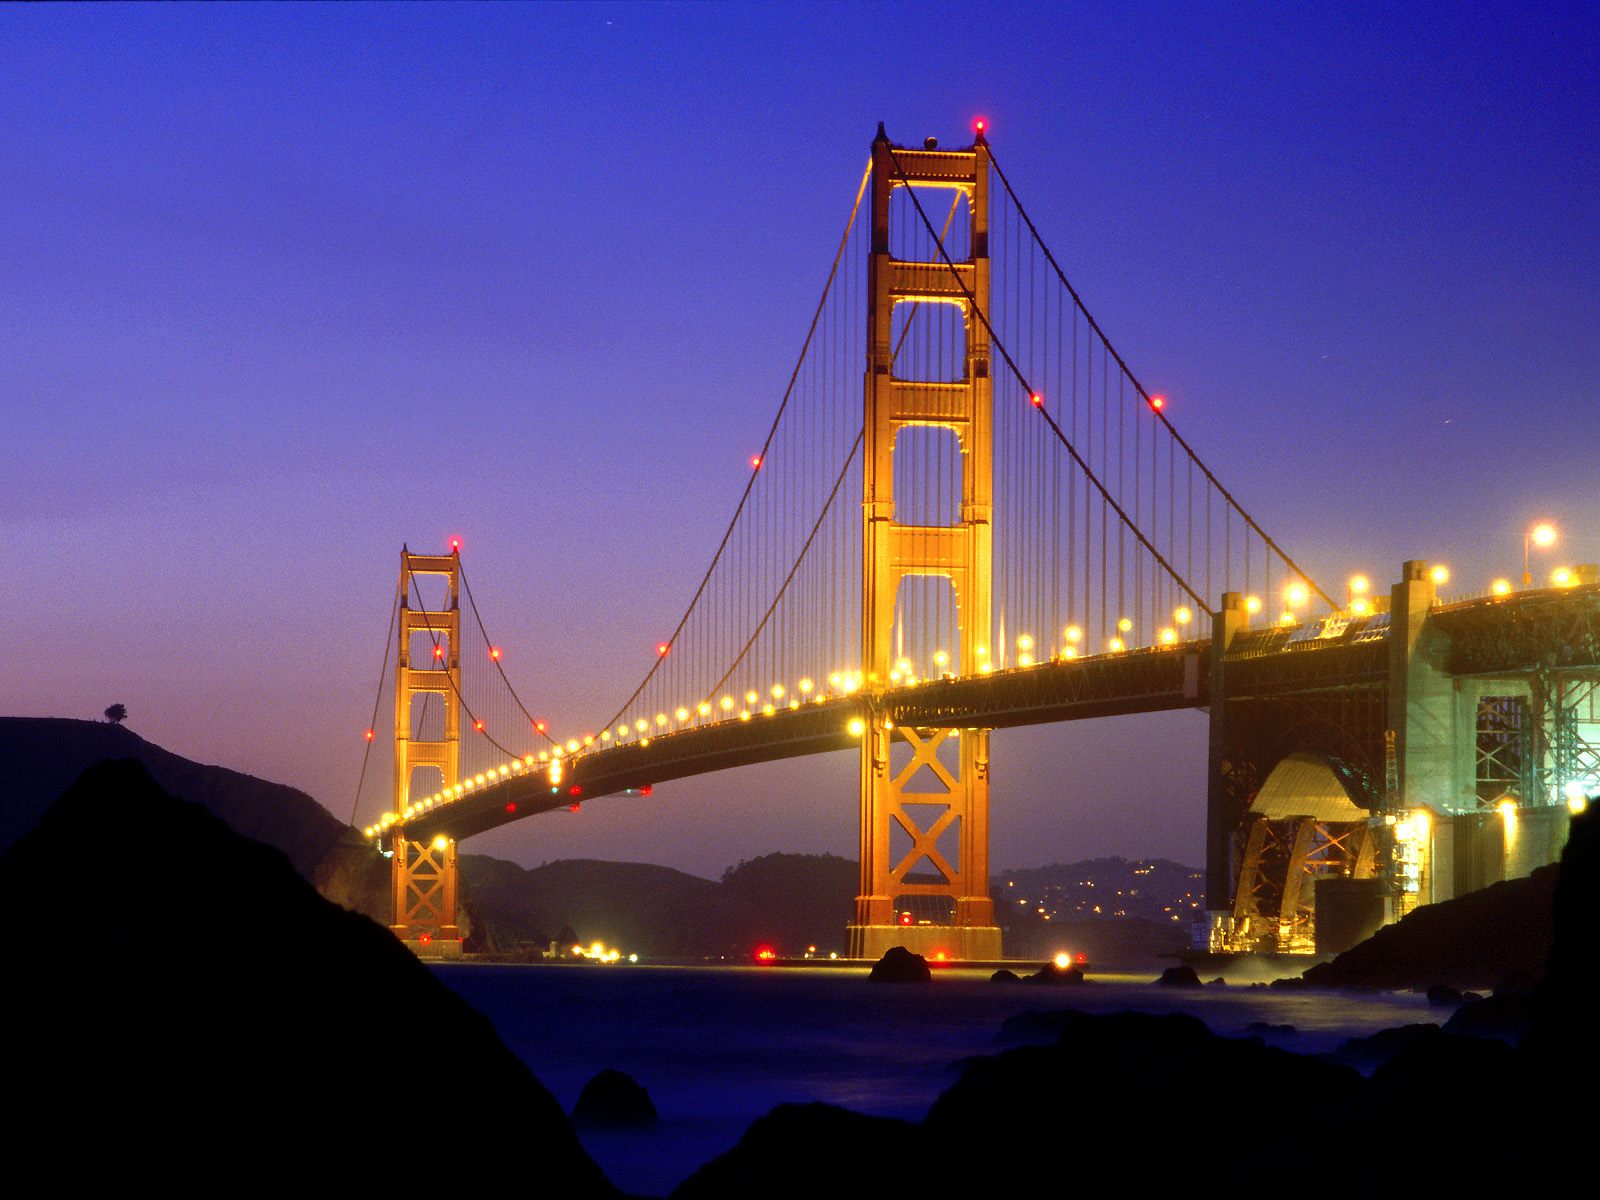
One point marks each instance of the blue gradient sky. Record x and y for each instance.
(282, 287)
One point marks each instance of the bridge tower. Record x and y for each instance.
(424, 873)
(894, 787)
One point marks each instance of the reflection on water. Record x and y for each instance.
(719, 1047)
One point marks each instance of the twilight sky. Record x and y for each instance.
(282, 287)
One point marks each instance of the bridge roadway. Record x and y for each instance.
(1330, 653)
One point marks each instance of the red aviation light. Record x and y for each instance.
(980, 126)
(755, 462)
(1037, 399)
(478, 725)
(511, 807)
(905, 918)
(662, 648)
(370, 735)
(538, 726)
(645, 790)
(494, 653)
(438, 651)
(766, 954)
(574, 807)
(1158, 402)
(574, 790)
(455, 545)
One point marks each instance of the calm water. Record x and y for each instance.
(719, 1047)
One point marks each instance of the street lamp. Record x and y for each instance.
(1542, 535)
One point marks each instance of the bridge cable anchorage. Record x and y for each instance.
(383, 673)
(759, 460)
(538, 725)
(1028, 388)
(477, 725)
(1157, 409)
(800, 558)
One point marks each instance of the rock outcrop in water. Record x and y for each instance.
(183, 1008)
(614, 1100)
(899, 965)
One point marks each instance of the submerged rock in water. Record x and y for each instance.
(1182, 977)
(899, 965)
(1050, 973)
(614, 1098)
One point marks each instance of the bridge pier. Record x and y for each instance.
(1390, 760)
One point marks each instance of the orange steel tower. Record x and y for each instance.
(424, 873)
(947, 771)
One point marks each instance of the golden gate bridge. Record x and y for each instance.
(969, 514)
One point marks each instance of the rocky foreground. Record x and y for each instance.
(184, 1012)
(1160, 1103)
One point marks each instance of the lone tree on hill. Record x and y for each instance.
(117, 714)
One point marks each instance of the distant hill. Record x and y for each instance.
(788, 901)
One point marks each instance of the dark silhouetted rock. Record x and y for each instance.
(1219, 981)
(1442, 995)
(614, 1099)
(1517, 983)
(189, 981)
(1268, 1029)
(1377, 1048)
(1004, 975)
(1470, 941)
(1179, 977)
(899, 965)
(1505, 1015)
(809, 1150)
(1050, 973)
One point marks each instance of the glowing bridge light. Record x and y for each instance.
(979, 126)
(726, 704)
(1182, 615)
(1440, 575)
(806, 686)
(752, 697)
(1563, 577)
(538, 726)
(1073, 634)
(856, 727)
(1116, 645)
(680, 714)
(438, 651)
(511, 806)
(572, 745)
(440, 842)
(777, 691)
(1169, 637)
(703, 708)
(941, 659)
(1500, 587)
(1062, 960)
(1359, 585)
(1024, 642)
(641, 725)
(1125, 625)
(1252, 604)
(1543, 535)
(455, 545)
(1297, 594)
